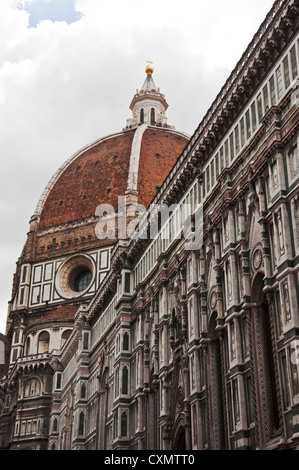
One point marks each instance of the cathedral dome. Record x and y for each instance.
(134, 160)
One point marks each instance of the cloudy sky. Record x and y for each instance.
(69, 69)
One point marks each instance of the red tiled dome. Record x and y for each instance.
(99, 174)
(159, 152)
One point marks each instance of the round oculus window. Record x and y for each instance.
(257, 258)
(82, 280)
(75, 276)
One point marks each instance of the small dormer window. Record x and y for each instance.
(142, 116)
(153, 118)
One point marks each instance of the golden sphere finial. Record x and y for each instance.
(149, 69)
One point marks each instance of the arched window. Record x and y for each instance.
(115, 426)
(85, 340)
(125, 341)
(214, 381)
(265, 356)
(43, 342)
(55, 425)
(53, 446)
(124, 424)
(32, 388)
(2, 353)
(142, 115)
(116, 383)
(81, 424)
(125, 381)
(153, 118)
(83, 391)
(17, 336)
(27, 348)
(65, 336)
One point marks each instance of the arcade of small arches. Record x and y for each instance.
(43, 342)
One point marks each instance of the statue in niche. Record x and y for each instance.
(229, 282)
(233, 341)
(178, 318)
(280, 234)
(293, 157)
(287, 300)
(297, 219)
(275, 176)
(226, 229)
